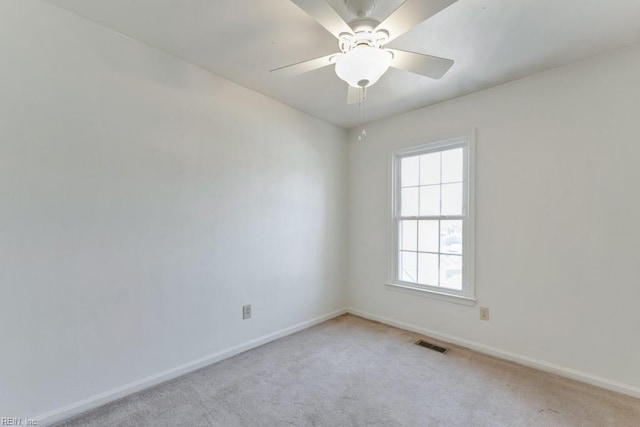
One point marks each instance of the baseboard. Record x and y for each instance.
(506, 355)
(109, 396)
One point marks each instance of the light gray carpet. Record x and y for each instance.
(353, 372)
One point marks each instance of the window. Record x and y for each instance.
(433, 218)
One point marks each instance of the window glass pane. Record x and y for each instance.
(410, 171)
(451, 237)
(430, 169)
(431, 216)
(452, 165)
(408, 266)
(409, 199)
(408, 235)
(428, 269)
(430, 200)
(451, 272)
(452, 199)
(428, 236)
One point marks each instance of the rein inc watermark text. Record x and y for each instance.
(17, 421)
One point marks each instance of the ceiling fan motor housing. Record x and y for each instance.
(363, 36)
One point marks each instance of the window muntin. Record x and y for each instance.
(432, 226)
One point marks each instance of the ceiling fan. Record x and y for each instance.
(363, 57)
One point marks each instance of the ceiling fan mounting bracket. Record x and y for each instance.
(361, 8)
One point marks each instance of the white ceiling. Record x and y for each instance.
(491, 41)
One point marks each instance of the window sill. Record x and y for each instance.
(458, 299)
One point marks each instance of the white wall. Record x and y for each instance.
(143, 201)
(556, 233)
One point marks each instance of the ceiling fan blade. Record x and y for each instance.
(326, 16)
(411, 13)
(353, 95)
(426, 65)
(304, 66)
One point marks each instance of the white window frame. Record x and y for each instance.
(467, 294)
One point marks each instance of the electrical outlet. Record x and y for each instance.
(484, 313)
(246, 312)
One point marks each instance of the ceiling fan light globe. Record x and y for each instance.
(363, 65)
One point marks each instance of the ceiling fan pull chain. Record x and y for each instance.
(363, 96)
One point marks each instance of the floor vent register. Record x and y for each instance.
(426, 344)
